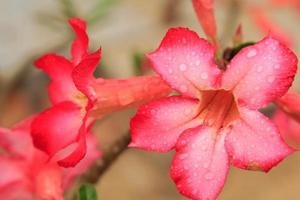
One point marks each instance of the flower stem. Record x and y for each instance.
(109, 156)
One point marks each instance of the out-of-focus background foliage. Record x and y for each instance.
(123, 28)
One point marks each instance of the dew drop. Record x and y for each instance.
(251, 53)
(209, 176)
(170, 71)
(182, 67)
(204, 75)
(259, 69)
(197, 62)
(205, 166)
(271, 79)
(276, 66)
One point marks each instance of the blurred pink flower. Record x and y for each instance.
(214, 121)
(287, 118)
(78, 98)
(267, 26)
(26, 173)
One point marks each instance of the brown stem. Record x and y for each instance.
(109, 156)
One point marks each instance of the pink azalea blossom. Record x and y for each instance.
(78, 98)
(214, 121)
(287, 118)
(25, 172)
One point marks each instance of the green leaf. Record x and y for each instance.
(87, 192)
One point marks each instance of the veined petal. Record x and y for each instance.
(260, 73)
(117, 94)
(83, 74)
(288, 127)
(59, 70)
(205, 13)
(290, 104)
(80, 44)
(254, 142)
(200, 165)
(186, 62)
(157, 125)
(57, 127)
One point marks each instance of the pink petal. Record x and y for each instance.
(92, 155)
(48, 183)
(57, 127)
(77, 154)
(254, 142)
(157, 125)
(16, 140)
(260, 73)
(11, 171)
(288, 127)
(200, 165)
(267, 26)
(83, 74)
(59, 70)
(290, 104)
(80, 45)
(186, 62)
(117, 94)
(205, 12)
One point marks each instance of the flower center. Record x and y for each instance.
(80, 99)
(218, 109)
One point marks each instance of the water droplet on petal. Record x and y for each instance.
(277, 66)
(197, 62)
(271, 79)
(204, 75)
(182, 67)
(209, 176)
(251, 53)
(170, 71)
(259, 69)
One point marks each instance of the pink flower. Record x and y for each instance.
(25, 172)
(267, 26)
(78, 98)
(214, 121)
(287, 118)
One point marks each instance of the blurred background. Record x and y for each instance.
(126, 29)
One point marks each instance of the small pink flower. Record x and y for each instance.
(78, 98)
(214, 121)
(287, 118)
(25, 172)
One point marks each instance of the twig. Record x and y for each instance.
(109, 156)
